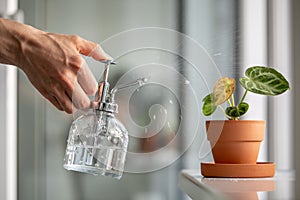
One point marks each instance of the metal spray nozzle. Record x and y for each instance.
(139, 82)
(104, 97)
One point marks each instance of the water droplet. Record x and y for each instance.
(218, 54)
(140, 82)
(145, 80)
(84, 143)
(154, 116)
(146, 130)
(170, 101)
(187, 82)
(137, 89)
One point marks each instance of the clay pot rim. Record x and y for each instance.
(237, 121)
(220, 125)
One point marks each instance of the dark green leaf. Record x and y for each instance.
(232, 111)
(207, 98)
(237, 111)
(243, 108)
(264, 80)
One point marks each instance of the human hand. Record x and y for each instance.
(53, 64)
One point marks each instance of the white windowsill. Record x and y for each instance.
(197, 187)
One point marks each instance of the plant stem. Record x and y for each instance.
(232, 98)
(224, 112)
(243, 98)
(229, 102)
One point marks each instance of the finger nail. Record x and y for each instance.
(100, 54)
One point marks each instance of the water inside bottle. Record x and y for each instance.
(103, 160)
(97, 146)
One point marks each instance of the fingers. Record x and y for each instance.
(100, 88)
(91, 49)
(68, 101)
(54, 101)
(83, 85)
(79, 98)
(99, 54)
(59, 99)
(65, 102)
(87, 80)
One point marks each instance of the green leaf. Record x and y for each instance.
(237, 111)
(207, 98)
(208, 107)
(232, 111)
(243, 108)
(264, 80)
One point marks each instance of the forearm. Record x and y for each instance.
(52, 62)
(12, 35)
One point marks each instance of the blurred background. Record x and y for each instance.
(182, 46)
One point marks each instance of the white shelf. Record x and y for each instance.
(198, 187)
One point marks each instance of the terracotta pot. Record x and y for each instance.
(235, 141)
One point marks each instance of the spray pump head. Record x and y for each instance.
(105, 98)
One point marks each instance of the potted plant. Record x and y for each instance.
(235, 143)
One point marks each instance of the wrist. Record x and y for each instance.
(13, 37)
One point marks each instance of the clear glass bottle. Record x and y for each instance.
(97, 144)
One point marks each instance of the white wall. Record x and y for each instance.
(296, 89)
(8, 117)
(8, 7)
(8, 132)
(253, 46)
(281, 107)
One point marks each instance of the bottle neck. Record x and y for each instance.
(108, 107)
(102, 112)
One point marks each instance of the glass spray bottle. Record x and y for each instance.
(97, 142)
